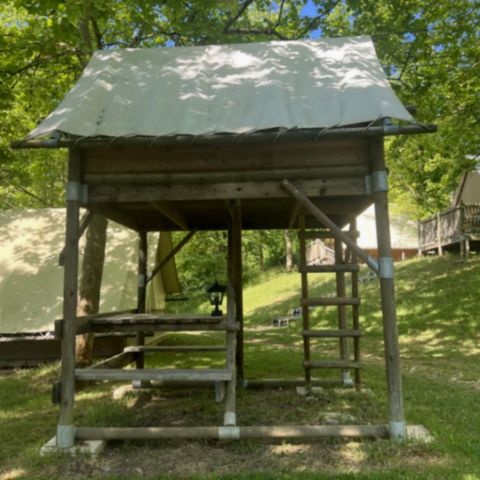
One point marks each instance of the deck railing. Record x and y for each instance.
(449, 227)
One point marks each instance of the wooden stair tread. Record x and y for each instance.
(172, 348)
(164, 319)
(175, 374)
(163, 327)
(342, 267)
(332, 364)
(326, 301)
(332, 333)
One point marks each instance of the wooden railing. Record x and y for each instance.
(450, 226)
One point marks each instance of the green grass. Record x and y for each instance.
(438, 318)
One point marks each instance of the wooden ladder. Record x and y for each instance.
(344, 263)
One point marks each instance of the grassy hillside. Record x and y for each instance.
(438, 313)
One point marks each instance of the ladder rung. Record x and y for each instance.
(326, 301)
(332, 364)
(332, 333)
(175, 348)
(345, 267)
(175, 374)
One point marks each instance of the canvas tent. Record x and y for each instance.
(31, 292)
(257, 136)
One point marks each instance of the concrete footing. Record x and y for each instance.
(418, 433)
(83, 447)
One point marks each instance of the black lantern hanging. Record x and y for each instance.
(216, 293)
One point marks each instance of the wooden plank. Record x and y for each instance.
(175, 348)
(342, 364)
(160, 318)
(158, 327)
(331, 333)
(172, 213)
(268, 157)
(227, 177)
(329, 301)
(277, 432)
(152, 374)
(355, 311)
(342, 267)
(297, 208)
(333, 187)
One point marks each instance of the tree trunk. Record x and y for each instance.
(90, 283)
(289, 252)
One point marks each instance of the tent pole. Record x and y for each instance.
(65, 428)
(391, 345)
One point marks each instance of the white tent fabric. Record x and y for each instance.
(31, 281)
(227, 89)
(403, 231)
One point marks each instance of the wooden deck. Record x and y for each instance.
(457, 228)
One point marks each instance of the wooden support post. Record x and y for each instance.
(238, 284)
(439, 235)
(342, 310)
(305, 308)
(391, 345)
(355, 311)
(65, 428)
(141, 291)
(230, 417)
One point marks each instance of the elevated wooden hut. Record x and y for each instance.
(252, 136)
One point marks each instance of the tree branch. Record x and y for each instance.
(239, 13)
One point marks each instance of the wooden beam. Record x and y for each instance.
(172, 213)
(277, 432)
(65, 427)
(389, 314)
(294, 214)
(329, 187)
(171, 254)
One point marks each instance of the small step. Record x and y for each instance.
(339, 268)
(329, 301)
(173, 348)
(332, 333)
(175, 374)
(332, 364)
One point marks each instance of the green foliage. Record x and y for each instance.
(429, 49)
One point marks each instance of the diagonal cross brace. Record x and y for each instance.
(323, 219)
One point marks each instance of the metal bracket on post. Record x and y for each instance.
(65, 436)
(385, 265)
(77, 192)
(377, 182)
(397, 430)
(228, 433)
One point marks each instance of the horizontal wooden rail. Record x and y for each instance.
(175, 348)
(332, 364)
(224, 433)
(345, 267)
(152, 374)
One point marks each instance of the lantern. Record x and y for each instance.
(215, 294)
